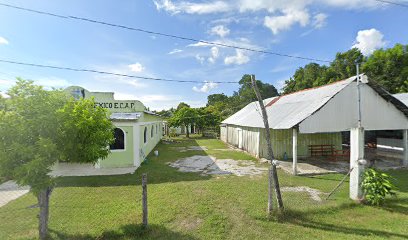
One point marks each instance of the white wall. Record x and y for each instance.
(341, 113)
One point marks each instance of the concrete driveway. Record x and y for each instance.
(10, 191)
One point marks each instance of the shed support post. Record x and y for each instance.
(405, 145)
(294, 150)
(356, 162)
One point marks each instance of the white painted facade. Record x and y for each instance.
(329, 109)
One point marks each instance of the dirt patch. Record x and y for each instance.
(190, 148)
(209, 165)
(313, 193)
(190, 224)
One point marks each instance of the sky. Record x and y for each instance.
(308, 28)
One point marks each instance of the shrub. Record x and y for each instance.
(376, 186)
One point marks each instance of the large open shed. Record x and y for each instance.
(318, 116)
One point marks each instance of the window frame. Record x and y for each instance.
(145, 138)
(124, 141)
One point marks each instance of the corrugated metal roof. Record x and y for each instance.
(125, 116)
(403, 97)
(287, 111)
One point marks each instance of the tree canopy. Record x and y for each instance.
(388, 67)
(39, 128)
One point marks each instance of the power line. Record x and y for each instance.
(392, 3)
(104, 72)
(164, 34)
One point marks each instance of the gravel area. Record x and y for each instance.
(209, 165)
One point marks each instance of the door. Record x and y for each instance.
(240, 138)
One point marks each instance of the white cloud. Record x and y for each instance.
(199, 44)
(3, 41)
(6, 82)
(348, 4)
(369, 40)
(208, 86)
(200, 58)
(136, 67)
(281, 14)
(136, 83)
(174, 51)
(220, 30)
(238, 59)
(215, 53)
(319, 20)
(4, 95)
(286, 21)
(192, 8)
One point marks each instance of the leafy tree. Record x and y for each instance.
(344, 65)
(314, 75)
(247, 95)
(389, 68)
(181, 105)
(166, 113)
(207, 118)
(184, 116)
(213, 99)
(39, 128)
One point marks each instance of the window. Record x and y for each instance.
(151, 133)
(156, 128)
(145, 135)
(119, 143)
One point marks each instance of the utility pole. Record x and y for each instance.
(273, 176)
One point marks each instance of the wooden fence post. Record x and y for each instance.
(270, 191)
(144, 198)
(269, 144)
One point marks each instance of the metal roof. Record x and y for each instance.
(125, 116)
(403, 97)
(287, 111)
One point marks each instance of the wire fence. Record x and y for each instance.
(192, 185)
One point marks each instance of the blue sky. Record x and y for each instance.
(308, 28)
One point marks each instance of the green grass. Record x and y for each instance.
(191, 206)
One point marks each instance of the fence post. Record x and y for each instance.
(270, 191)
(144, 198)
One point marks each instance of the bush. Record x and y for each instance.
(376, 186)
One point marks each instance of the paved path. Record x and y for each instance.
(10, 191)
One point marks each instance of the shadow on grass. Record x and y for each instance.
(301, 218)
(131, 231)
(156, 167)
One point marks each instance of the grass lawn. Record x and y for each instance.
(191, 206)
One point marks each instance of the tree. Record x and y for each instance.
(181, 105)
(389, 68)
(314, 75)
(184, 116)
(39, 128)
(213, 99)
